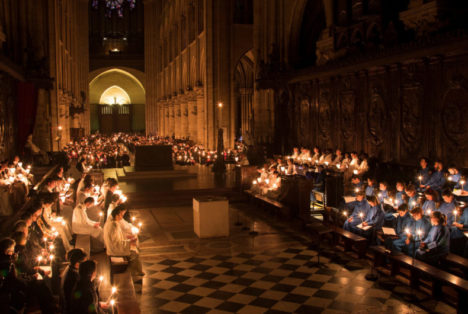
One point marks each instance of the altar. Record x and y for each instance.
(153, 157)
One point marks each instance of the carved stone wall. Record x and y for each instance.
(396, 112)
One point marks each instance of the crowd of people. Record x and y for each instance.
(110, 151)
(43, 235)
(424, 217)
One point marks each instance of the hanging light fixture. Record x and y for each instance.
(114, 5)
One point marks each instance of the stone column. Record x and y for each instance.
(177, 118)
(201, 112)
(192, 117)
(184, 125)
(172, 114)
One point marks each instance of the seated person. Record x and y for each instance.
(359, 209)
(11, 284)
(374, 219)
(383, 193)
(70, 277)
(356, 185)
(81, 224)
(118, 244)
(454, 176)
(337, 160)
(448, 206)
(435, 245)
(410, 192)
(436, 180)
(400, 196)
(371, 186)
(85, 297)
(423, 172)
(458, 240)
(410, 241)
(403, 221)
(429, 204)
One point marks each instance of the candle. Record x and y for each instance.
(361, 214)
(338, 166)
(407, 231)
(356, 190)
(420, 180)
(355, 171)
(39, 260)
(140, 224)
(345, 213)
(419, 233)
(133, 219)
(455, 213)
(113, 290)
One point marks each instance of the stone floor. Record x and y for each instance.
(272, 272)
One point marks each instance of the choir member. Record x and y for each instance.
(437, 180)
(435, 245)
(81, 224)
(448, 207)
(358, 209)
(70, 277)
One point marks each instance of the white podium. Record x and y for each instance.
(211, 216)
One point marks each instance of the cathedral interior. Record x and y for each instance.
(239, 156)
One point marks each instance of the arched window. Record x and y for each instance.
(115, 95)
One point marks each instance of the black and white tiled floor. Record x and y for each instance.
(187, 275)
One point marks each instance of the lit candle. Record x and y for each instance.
(113, 291)
(140, 224)
(345, 213)
(338, 166)
(419, 233)
(355, 171)
(407, 231)
(39, 260)
(356, 190)
(420, 180)
(133, 219)
(455, 213)
(361, 214)
(429, 212)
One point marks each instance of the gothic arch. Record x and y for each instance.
(308, 21)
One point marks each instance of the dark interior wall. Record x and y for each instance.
(8, 121)
(396, 112)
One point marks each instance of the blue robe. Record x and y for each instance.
(369, 190)
(412, 202)
(382, 195)
(403, 222)
(457, 233)
(456, 179)
(447, 209)
(437, 244)
(436, 181)
(428, 205)
(423, 225)
(375, 219)
(424, 174)
(357, 208)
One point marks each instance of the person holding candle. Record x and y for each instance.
(118, 244)
(410, 241)
(448, 207)
(70, 277)
(403, 221)
(429, 205)
(437, 180)
(410, 192)
(436, 243)
(358, 209)
(374, 219)
(85, 297)
(423, 173)
(458, 239)
(371, 187)
(356, 185)
(81, 224)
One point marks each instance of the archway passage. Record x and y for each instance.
(117, 100)
(243, 92)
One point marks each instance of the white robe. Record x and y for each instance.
(81, 224)
(115, 240)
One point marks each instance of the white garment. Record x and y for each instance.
(81, 224)
(115, 240)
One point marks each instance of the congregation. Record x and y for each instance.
(424, 217)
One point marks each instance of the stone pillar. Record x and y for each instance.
(177, 118)
(201, 118)
(172, 115)
(192, 118)
(184, 127)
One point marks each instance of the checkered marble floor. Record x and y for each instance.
(287, 281)
(272, 272)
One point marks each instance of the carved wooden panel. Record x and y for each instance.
(398, 113)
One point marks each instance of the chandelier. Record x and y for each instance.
(114, 5)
